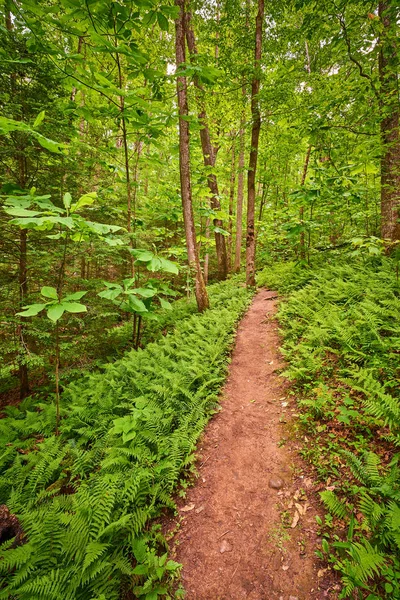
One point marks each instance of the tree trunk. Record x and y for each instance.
(302, 233)
(209, 156)
(129, 201)
(390, 135)
(184, 162)
(255, 134)
(239, 200)
(23, 238)
(231, 200)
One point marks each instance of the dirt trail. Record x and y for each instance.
(233, 543)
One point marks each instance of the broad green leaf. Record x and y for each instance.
(84, 200)
(221, 231)
(55, 311)
(168, 266)
(142, 255)
(74, 296)
(67, 199)
(74, 307)
(110, 294)
(39, 119)
(50, 145)
(21, 212)
(31, 310)
(165, 304)
(135, 304)
(49, 292)
(113, 242)
(144, 292)
(128, 282)
(162, 22)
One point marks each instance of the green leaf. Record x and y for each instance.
(135, 304)
(49, 292)
(31, 310)
(74, 307)
(21, 212)
(55, 311)
(144, 292)
(162, 22)
(165, 304)
(169, 266)
(221, 231)
(128, 282)
(84, 200)
(50, 145)
(39, 119)
(141, 570)
(110, 294)
(142, 255)
(67, 199)
(74, 296)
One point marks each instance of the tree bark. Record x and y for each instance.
(239, 200)
(24, 389)
(231, 201)
(209, 157)
(389, 125)
(184, 162)
(255, 135)
(302, 233)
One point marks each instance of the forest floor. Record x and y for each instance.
(247, 529)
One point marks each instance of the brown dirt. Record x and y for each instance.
(236, 539)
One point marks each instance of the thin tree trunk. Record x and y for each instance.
(255, 135)
(24, 389)
(304, 175)
(390, 135)
(57, 378)
(126, 161)
(263, 200)
(23, 292)
(239, 200)
(209, 157)
(302, 233)
(207, 256)
(231, 201)
(184, 162)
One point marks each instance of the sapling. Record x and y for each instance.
(55, 307)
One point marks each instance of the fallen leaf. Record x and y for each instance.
(225, 547)
(301, 509)
(188, 507)
(296, 518)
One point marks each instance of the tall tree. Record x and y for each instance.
(240, 188)
(184, 161)
(390, 133)
(209, 157)
(255, 135)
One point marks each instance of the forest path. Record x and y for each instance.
(233, 541)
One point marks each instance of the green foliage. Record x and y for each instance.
(341, 329)
(85, 497)
(56, 306)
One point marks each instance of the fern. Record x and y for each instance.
(85, 497)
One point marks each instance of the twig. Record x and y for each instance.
(234, 572)
(222, 534)
(204, 461)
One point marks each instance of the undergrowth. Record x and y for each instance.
(341, 327)
(85, 499)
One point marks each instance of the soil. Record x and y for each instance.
(247, 529)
